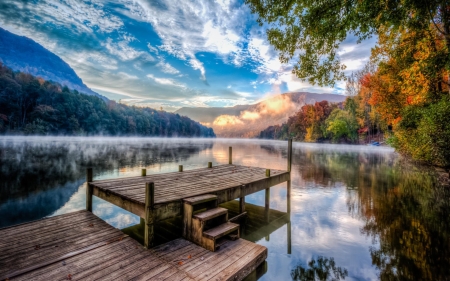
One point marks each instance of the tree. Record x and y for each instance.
(312, 30)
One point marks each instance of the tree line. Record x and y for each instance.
(32, 105)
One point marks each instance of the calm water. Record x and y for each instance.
(358, 213)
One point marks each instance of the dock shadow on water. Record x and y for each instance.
(357, 213)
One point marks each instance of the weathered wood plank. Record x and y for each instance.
(243, 266)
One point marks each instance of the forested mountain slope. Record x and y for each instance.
(23, 54)
(33, 105)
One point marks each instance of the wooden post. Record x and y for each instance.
(209, 164)
(230, 155)
(143, 172)
(149, 203)
(289, 156)
(89, 189)
(267, 205)
(268, 173)
(288, 183)
(242, 200)
(180, 168)
(268, 237)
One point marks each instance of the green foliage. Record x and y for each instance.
(342, 124)
(424, 133)
(316, 28)
(33, 106)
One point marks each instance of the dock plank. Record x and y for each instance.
(102, 252)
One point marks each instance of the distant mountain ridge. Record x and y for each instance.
(21, 53)
(249, 120)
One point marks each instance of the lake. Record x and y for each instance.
(357, 212)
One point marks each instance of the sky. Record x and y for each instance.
(167, 54)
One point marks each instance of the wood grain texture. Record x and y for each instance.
(80, 246)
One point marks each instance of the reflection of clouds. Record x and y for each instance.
(123, 220)
(76, 202)
(104, 209)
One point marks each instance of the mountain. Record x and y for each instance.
(249, 120)
(31, 105)
(23, 54)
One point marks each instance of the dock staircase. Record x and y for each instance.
(206, 224)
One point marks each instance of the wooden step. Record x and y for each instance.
(210, 214)
(221, 230)
(200, 199)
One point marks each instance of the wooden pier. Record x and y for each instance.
(79, 245)
(162, 196)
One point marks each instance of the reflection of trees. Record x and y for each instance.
(406, 213)
(411, 222)
(51, 171)
(322, 269)
(34, 165)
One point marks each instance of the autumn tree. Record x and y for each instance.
(311, 31)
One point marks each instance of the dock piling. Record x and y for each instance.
(89, 189)
(230, 155)
(289, 155)
(288, 183)
(242, 200)
(149, 203)
(143, 172)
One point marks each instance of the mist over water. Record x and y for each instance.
(357, 213)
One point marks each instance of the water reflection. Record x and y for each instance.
(320, 269)
(40, 175)
(358, 209)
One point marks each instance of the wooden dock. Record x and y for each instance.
(80, 246)
(164, 196)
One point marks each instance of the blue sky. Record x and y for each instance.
(166, 54)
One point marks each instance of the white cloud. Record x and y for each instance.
(167, 68)
(167, 81)
(189, 27)
(124, 52)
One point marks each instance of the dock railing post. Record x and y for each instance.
(89, 189)
(242, 200)
(149, 203)
(209, 164)
(180, 168)
(143, 172)
(289, 156)
(230, 155)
